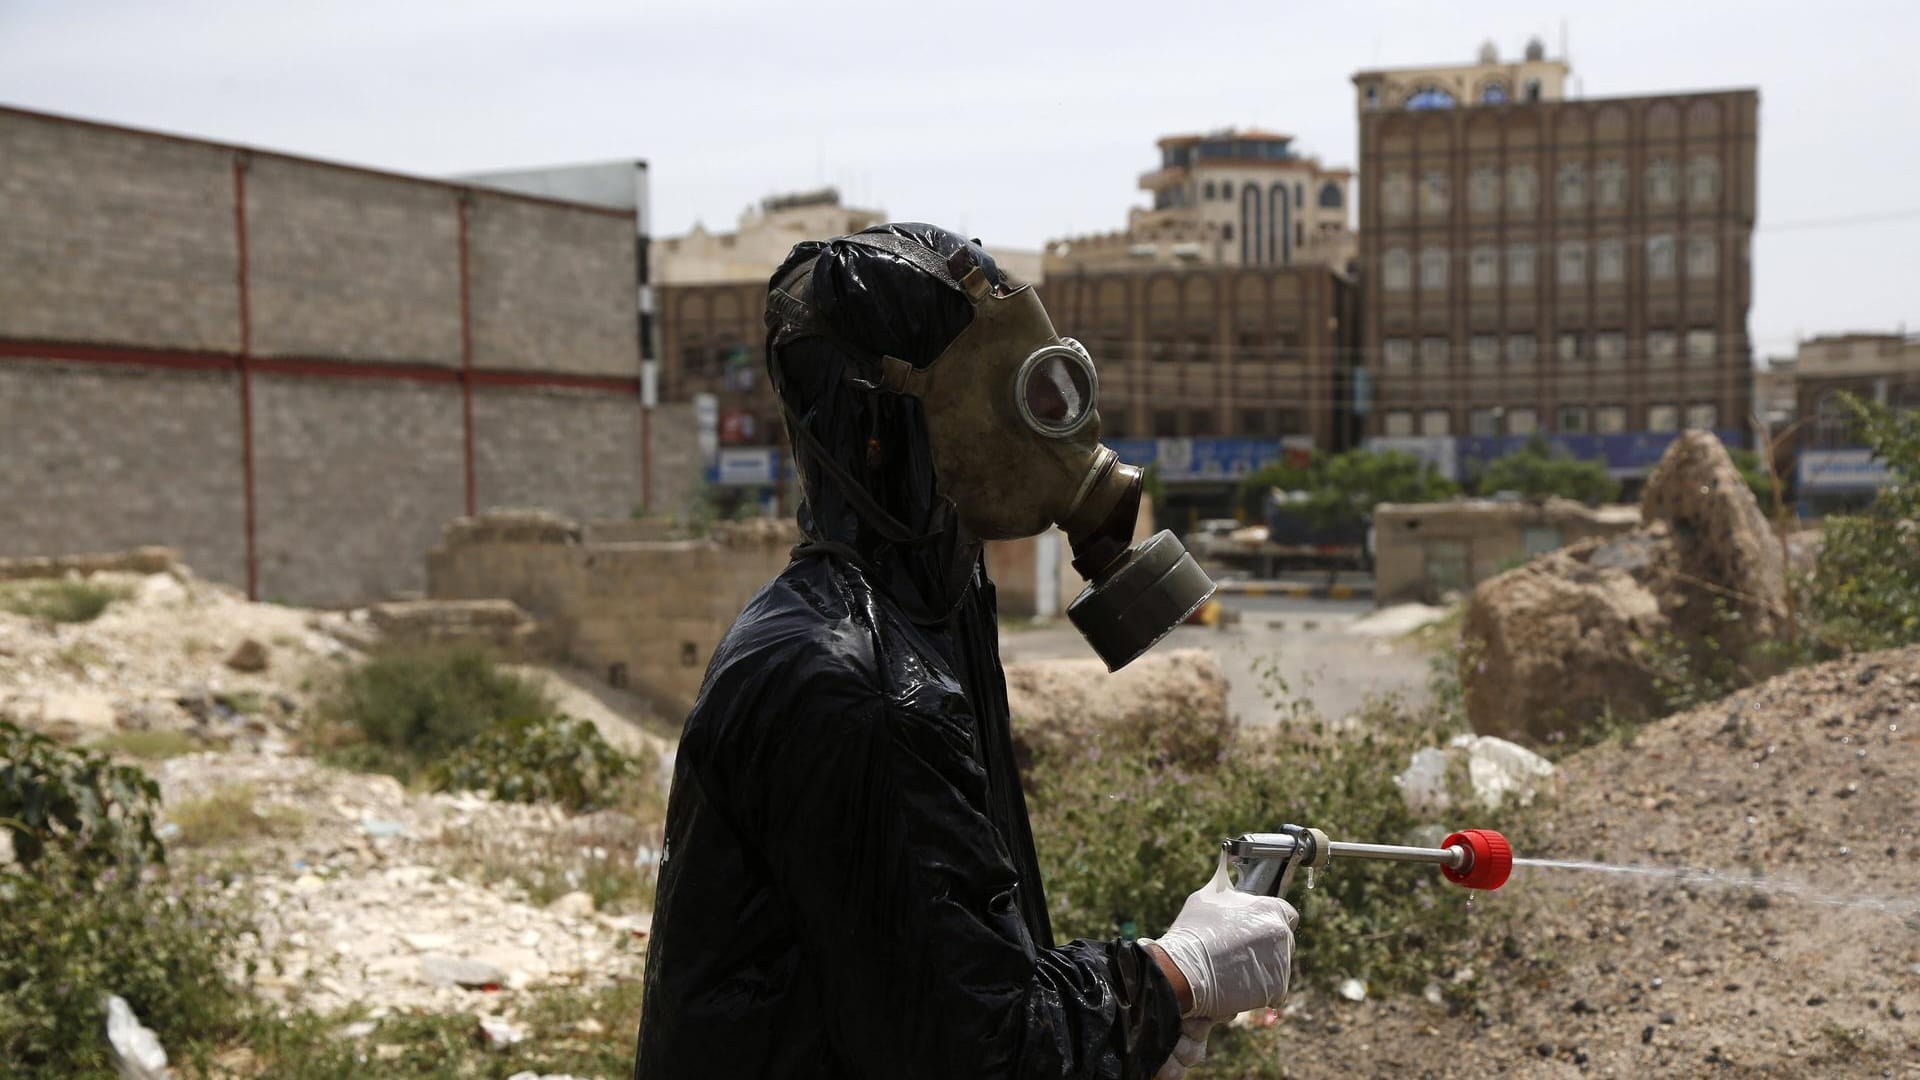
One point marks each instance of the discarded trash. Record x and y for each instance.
(137, 1052)
(1353, 990)
(499, 1033)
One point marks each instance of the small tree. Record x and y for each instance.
(1252, 496)
(1866, 588)
(1539, 469)
(1346, 487)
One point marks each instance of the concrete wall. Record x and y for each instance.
(1422, 550)
(122, 411)
(99, 457)
(644, 614)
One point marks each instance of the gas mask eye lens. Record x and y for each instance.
(1056, 389)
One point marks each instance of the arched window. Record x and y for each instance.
(1493, 92)
(1660, 181)
(1396, 195)
(1396, 272)
(1483, 189)
(1573, 185)
(1610, 183)
(1330, 196)
(1252, 236)
(1430, 97)
(1523, 187)
(1434, 192)
(1703, 180)
(1433, 269)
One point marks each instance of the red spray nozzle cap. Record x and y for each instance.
(1489, 859)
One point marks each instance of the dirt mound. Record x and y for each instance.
(1810, 782)
(1554, 644)
(1175, 701)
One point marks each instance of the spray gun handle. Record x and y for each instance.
(1266, 861)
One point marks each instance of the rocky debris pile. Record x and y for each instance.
(1175, 701)
(141, 561)
(372, 895)
(1553, 645)
(176, 653)
(1805, 783)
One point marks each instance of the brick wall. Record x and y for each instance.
(574, 452)
(354, 479)
(121, 358)
(98, 457)
(351, 265)
(553, 289)
(107, 238)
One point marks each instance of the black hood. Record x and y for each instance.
(834, 308)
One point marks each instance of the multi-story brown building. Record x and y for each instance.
(1835, 469)
(1255, 353)
(1537, 264)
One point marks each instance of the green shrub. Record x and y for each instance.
(1122, 842)
(60, 600)
(1539, 469)
(398, 712)
(75, 802)
(539, 759)
(68, 938)
(1866, 586)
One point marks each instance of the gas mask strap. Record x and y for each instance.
(883, 522)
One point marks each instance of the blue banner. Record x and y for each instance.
(1632, 453)
(1200, 459)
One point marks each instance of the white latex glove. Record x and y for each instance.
(1235, 948)
(1191, 1050)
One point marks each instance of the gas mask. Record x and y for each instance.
(1012, 417)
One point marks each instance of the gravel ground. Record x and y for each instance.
(1810, 781)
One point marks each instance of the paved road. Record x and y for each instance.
(1301, 641)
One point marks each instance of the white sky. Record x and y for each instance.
(1014, 123)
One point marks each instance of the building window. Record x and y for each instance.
(1396, 196)
(1520, 264)
(1433, 269)
(1200, 422)
(1704, 415)
(1573, 185)
(1483, 422)
(1703, 256)
(1484, 352)
(1483, 268)
(1436, 422)
(1610, 184)
(1662, 344)
(1433, 355)
(1610, 348)
(1522, 422)
(1609, 260)
(1610, 419)
(1299, 195)
(1567, 346)
(1331, 197)
(1573, 263)
(1493, 92)
(1287, 421)
(1531, 88)
(1700, 344)
(1206, 192)
(1226, 231)
(1373, 97)
(1430, 97)
(1396, 273)
(1522, 350)
(1660, 182)
(1663, 418)
(1523, 187)
(1166, 424)
(1483, 190)
(1254, 422)
(1573, 419)
(1399, 423)
(1660, 257)
(1434, 195)
(1399, 355)
(1703, 180)
(1226, 189)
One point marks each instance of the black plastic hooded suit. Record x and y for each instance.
(849, 888)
